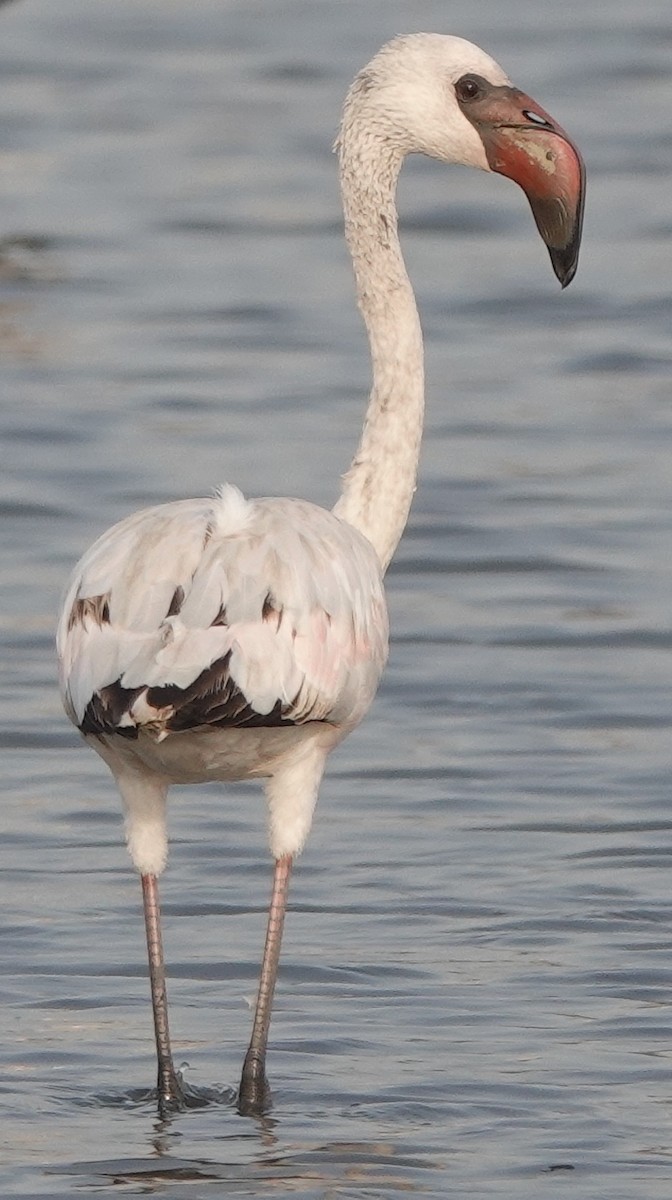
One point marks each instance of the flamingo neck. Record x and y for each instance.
(379, 486)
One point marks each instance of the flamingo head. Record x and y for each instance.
(445, 97)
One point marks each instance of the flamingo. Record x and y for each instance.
(226, 638)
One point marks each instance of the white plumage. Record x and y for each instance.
(289, 592)
(227, 638)
(190, 628)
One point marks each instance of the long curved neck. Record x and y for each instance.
(379, 486)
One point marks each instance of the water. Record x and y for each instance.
(476, 982)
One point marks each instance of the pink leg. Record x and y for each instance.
(254, 1094)
(168, 1086)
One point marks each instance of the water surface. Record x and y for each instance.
(476, 982)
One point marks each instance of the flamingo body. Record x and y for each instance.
(222, 639)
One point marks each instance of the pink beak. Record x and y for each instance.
(522, 141)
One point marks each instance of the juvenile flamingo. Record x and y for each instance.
(225, 638)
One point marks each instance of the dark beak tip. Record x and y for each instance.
(565, 262)
(565, 277)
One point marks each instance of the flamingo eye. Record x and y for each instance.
(469, 87)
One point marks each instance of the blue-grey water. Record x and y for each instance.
(477, 972)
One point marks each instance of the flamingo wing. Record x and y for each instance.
(223, 612)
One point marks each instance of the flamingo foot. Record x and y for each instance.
(254, 1097)
(169, 1093)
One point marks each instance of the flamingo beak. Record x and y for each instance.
(523, 141)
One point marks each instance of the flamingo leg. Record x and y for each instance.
(168, 1086)
(254, 1094)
